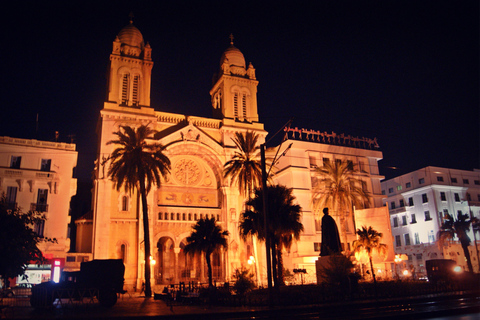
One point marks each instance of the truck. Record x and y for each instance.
(100, 279)
(444, 270)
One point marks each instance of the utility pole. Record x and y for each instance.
(265, 223)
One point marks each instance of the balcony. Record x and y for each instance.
(39, 207)
(397, 210)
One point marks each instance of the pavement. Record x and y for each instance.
(136, 306)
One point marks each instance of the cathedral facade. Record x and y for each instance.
(198, 148)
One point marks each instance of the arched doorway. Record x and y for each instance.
(165, 266)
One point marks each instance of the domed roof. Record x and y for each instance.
(235, 57)
(131, 36)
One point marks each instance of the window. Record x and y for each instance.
(431, 236)
(123, 253)
(465, 181)
(404, 220)
(408, 185)
(317, 246)
(124, 203)
(478, 197)
(125, 78)
(443, 197)
(184, 216)
(424, 198)
(235, 105)
(421, 180)
(440, 179)
(11, 197)
(395, 222)
(361, 166)
(427, 216)
(350, 165)
(45, 166)
(457, 197)
(392, 205)
(414, 219)
(195, 217)
(172, 216)
(166, 215)
(189, 217)
(390, 190)
(419, 257)
(469, 198)
(402, 203)
(398, 241)
(410, 202)
(407, 239)
(383, 192)
(160, 216)
(178, 216)
(476, 182)
(417, 238)
(15, 162)
(42, 200)
(326, 160)
(454, 180)
(136, 81)
(399, 188)
(244, 106)
(39, 228)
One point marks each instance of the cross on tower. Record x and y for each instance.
(231, 38)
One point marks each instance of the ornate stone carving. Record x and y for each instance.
(187, 172)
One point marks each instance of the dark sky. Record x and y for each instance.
(405, 72)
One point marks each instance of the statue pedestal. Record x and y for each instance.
(320, 264)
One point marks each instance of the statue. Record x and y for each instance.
(330, 238)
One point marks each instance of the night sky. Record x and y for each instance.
(405, 72)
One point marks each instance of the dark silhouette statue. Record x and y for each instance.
(330, 238)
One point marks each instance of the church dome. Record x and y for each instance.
(131, 36)
(235, 57)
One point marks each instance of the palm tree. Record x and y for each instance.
(459, 228)
(284, 224)
(369, 241)
(136, 164)
(245, 167)
(206, 237)
(337, 189)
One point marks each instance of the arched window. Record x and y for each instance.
(244, 106)
(235, 105)
(125, 203)
(123, 253)
(125, 80)
(178, 216)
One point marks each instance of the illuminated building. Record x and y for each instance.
(38, 175)
(198, 149)
(418, 202)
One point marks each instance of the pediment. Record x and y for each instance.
(191, 133)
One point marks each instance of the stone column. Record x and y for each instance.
(177, 251)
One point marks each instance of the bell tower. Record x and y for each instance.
(130, 70)
(234, 91)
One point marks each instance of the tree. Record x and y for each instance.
(245, 167)
(206, 237)
(369, 241)
(452, 228)
(284, 224)
(337, 189)
(18, 241)
(136, 164)
(243, 281)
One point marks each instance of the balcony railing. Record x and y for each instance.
(39, 207)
